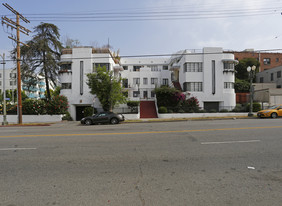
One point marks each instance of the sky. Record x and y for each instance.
(154, 26)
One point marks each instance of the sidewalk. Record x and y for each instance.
(143, 120)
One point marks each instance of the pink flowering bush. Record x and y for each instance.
(57, 105)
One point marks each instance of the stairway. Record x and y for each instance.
(148, 109)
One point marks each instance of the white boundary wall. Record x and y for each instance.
(12, 119)
(199, 115)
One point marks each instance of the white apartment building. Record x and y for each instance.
(35, 91)
(142, 75)
(75, 64)
(10, 79)
(207, 75)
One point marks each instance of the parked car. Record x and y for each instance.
(103, 117)
(273, 112)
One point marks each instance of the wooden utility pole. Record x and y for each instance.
(16, 25)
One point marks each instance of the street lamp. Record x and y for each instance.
(251, 71)
(4, 91)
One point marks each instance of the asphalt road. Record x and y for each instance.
(215, 162)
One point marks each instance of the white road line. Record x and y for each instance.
(12, 149)
(231, 142)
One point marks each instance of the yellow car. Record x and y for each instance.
(273, 112)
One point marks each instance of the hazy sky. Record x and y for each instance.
(155, 26)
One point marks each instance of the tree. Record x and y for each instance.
(69, 42)
(41, 54)
(241, 68)
(241, 85)
(106, 87)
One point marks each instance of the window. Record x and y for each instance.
(279, 74)
(136, 68)
(154, 80)
(261, 80)
(66, 85)
(65, 67)
(125, 67)
(228, 66)
(153, 94)
(228, 85)
(277, 59)
(136, 93)
(0, 83)
(81, 77)
(271, 77)
(193, 86)
(266, 61)
(154, 68)
(12, 75)
(102, 65)
(13, 83)
(145, 81)
(165, 67)
(278, 86)
(136, 81)
(165, 82)
(193, 67)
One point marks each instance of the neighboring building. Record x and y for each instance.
(35, 87)
(273, 75)
(35, 90)
(267, 93)
(268, 88)
(267, 60)
(208, 75)
(10, 79)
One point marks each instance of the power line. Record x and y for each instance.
(16, 25)
(160, 55)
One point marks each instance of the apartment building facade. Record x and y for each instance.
(273, 75)
(207, 75)
(34, 88)
(267, 60)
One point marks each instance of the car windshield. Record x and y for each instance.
(273, 107)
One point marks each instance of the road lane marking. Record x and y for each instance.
(148, 132)
(231, 142)
(16, 148)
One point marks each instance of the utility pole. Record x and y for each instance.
(16, 25)
(4, 93)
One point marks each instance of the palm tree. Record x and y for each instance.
(42, 53)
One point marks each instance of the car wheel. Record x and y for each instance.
(274, 115)
(114, 121)
(88, 122)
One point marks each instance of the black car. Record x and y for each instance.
(103, 117)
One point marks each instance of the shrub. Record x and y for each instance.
(212, 111)
(133, 103)
(162, 109)
(202, 111)
(256, 107)
(88, 111)
(67, 117)
(223, 110)
(181, 111)
(57, 105)
(32, 106)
